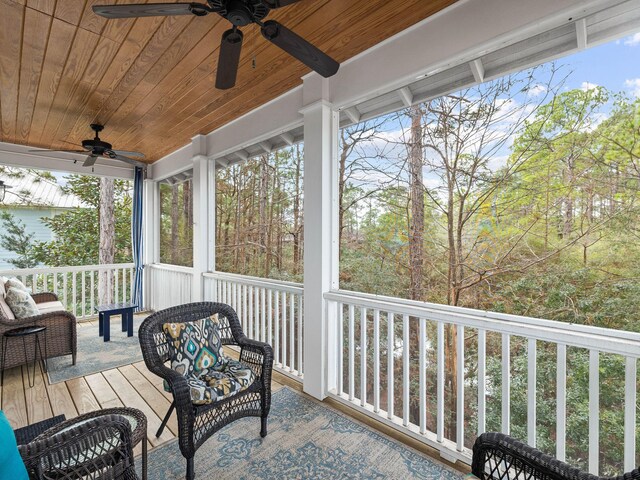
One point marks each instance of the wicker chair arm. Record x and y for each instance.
(497, 451)
(83, 449)
(178, 385)
(259, 355)
(44, 297)
(38, 319)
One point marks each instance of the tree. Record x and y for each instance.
(107, 239)
(14, 238)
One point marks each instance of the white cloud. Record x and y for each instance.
(633, 84)
(633, 40)
(586, 86)
(537, 90)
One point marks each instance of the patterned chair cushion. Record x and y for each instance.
(21, 303)
(195, 347)
(231, 379)
(196, 353)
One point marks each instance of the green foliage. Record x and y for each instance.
(77, 231)
(14, 238)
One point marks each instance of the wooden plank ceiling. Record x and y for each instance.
(150, 81)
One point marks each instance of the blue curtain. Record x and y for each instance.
(136, 237)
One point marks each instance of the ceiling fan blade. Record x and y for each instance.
(229, 58)
(128, 160)
(152, 10)
(90, 161)
(63, 151)
(128, 153)
(298, 47)
(279, 3)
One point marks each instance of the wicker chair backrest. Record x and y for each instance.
(153, 340)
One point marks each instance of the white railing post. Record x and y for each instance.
(320, 258)
(203, 209)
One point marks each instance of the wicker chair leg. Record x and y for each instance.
(73, 358)
(263, 427)
(191, 474)
(165, 419)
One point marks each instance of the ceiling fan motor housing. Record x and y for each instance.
(240, 12)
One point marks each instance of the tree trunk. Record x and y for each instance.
(416, 227)
(107, 239)
(175, 215)
(296, 215)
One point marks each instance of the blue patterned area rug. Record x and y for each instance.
(307, 440)
(96, 355)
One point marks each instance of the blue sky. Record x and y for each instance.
(610, 65)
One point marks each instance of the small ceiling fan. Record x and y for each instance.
(240, 13)
(97, 148)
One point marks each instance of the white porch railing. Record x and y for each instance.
(168, 285)
(77, 287)
(420, 364)
(270, 311)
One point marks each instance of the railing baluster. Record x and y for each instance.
(93, 291)
(64, 290)
(391, 336)
(300, 330)
(376, 361)
(74, 296)
(263, 336)
(482, 381)
(131, 280)
(250, 315)
(630, 396)
(561, 402)
(340, 348)
(440, 388)
(506, 383)
(460, 388)
(531, 391)
(594, 411)
(363, 356)
(116, 283)
(351, 353)
(423, 375)
(283, 346)
(84, 290)
(277, 329)
(292, 334)
(270, 317)
(405, 370)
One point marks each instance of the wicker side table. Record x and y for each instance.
(135, 417)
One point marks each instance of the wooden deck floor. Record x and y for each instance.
(131, 385)
(134, 386)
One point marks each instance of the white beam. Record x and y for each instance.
(20, 156)
(221, 162)
(201, 240)
(406, 96)
(242, 155)
(581, 33)
(464, 31)
(288, 138)
(353, 113)
(266, 146)
(477, 68)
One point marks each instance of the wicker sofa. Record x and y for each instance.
(61, 331)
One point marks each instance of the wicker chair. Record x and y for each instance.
(61, 333)
(497, 456)
(97, 449)
(196, 423)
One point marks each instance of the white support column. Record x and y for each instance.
(151, 236)
(203, 209)
(320, 251)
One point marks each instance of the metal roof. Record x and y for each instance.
(30, 190)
